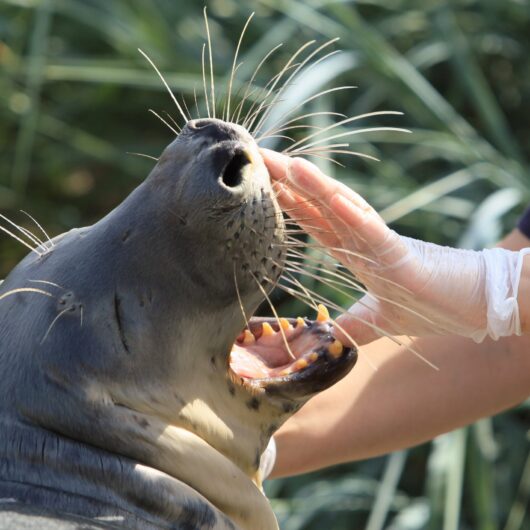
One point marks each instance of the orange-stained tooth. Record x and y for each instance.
(284, 323)
(300, 364)
(248, 338)
(313, 356)
(336, 348)
(267, 330)
(285, 372)
(300, 322)
(323, 313)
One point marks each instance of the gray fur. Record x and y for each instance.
(115, 399)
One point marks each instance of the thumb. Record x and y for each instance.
(360, 323)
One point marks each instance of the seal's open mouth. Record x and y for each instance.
(271, 351)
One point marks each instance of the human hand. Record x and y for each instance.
(414, 288)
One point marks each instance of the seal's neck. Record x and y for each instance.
(84, 480)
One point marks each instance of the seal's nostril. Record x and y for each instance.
(199, 124)
(232, 175)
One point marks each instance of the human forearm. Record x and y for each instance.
(404, 402)
(524, 296)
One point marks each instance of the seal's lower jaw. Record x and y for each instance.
(292, 358)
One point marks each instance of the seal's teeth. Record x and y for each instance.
(312, 357)
(300, 322)
(323, 313)
(285, 372)
(267, 330)
(249, 337)
(335, 349)
(284, 323)
(301, 364)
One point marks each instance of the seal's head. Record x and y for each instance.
(138, 346)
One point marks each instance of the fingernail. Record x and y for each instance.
(289, 171)
(292, 175)
(274, 156)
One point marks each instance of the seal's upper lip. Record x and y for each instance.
(271, 352)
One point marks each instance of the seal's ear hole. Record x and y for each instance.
(233, 174)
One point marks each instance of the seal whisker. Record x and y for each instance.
(351, 133)
(351, 119)
(48, 283)
(240, 301)
(274, 134)
(204, 83)
(52, 244)
(53, 323)
(25, 290)
(279, 123)
(263, 93)
(256, 112)
(155, 68)
(357, 287)
(227, 114)
(279, 76)
(236, 96)
(251, 81)
(198, 112)
(378, 329)
(336, 307)
(357, 131)
(293, 243)
(164, 121)
(301, 244)
(177, 126)
(309, 295)
(143, 155)
(212, 81)
(27, 245)
(281, 126)
(285, 137)
(264, 292)
(328, 158)
(296, 72)
(32, 237)
(185, 108)
(317, 152)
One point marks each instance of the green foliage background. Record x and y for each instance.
(74, 99)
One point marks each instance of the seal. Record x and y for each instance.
(129, 393)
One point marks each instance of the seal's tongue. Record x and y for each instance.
(270, 348)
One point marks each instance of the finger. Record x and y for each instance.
(311, 183)
(306, 216)
(352, 332)
(276, 163)
(368, 227)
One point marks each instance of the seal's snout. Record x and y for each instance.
(217, 130)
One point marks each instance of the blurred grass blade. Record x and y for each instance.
(431, 192)
(308, 83)
(480, 94)
(516, 517)
(387, 489)
(481, 490)
(455, 479)
(28, 123)
(486, 225)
